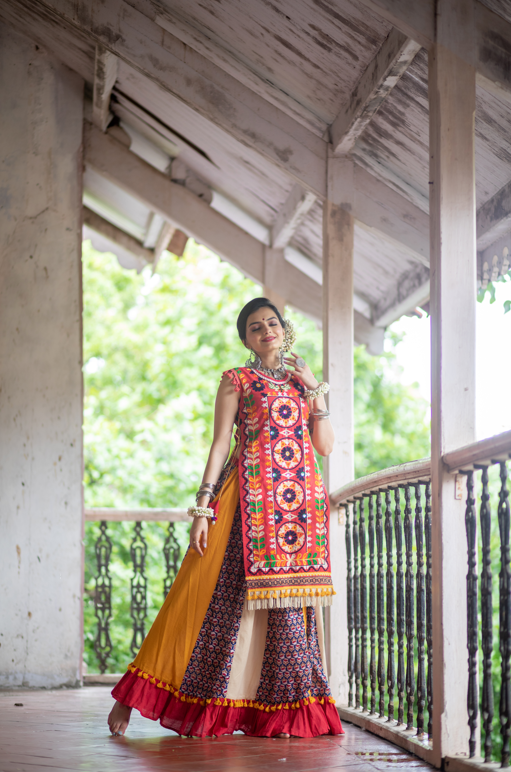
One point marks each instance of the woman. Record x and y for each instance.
(238, 643)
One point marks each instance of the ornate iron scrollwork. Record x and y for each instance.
(138, 588)
(171, 552)
(103, 597)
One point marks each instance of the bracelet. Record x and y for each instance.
(200, 494)
(202, 512)
(322, 415)
(322, 388)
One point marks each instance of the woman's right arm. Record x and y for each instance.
(226, 408)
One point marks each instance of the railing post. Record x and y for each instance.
(338, 372)
(453, 296)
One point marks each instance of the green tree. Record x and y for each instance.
(155, 347)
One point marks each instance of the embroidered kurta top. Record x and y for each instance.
(284, 506)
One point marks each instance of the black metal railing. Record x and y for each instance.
(103, 585)
(388, 584)
(485, 468)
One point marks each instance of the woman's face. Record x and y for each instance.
(265, 333)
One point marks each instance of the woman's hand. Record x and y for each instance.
(303, 371)
(199, 535)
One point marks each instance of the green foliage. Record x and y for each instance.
(154, 351)
(491, 291)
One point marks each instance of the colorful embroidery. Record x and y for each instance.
(284, 508)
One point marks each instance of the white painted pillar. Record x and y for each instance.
(453, 299)
(338, 372)
(40, 367)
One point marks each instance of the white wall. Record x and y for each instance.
(41, 511)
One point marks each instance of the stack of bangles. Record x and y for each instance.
(206, 489)
(321, 415)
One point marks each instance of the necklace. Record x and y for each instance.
(277, 373)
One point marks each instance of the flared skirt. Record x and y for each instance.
(209, 666)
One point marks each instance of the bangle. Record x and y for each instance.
(200, 494)
(321, 415)
(202, 512)
(322, 388)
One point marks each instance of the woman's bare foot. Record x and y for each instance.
(283, 736)
(119, 718)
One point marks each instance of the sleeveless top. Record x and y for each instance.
(284, 505)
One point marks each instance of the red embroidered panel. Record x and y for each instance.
(284, 508)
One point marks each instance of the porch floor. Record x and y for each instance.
(66, 729)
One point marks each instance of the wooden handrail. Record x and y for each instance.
(497, 448)
(151, 515)
(386, 478)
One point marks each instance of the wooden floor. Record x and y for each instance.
(66, 730)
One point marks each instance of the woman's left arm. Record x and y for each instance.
(323, 435)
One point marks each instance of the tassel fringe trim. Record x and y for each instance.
(289, 598)
(223, 701)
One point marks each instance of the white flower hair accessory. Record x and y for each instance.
(289, 336)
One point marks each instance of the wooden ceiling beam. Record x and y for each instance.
(409, 291)
(295, 208)
(105, 75)
(114, 234)
(492, 38)
(173, 202)
(375, 84)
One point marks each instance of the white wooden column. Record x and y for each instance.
(453, 299)
(41, 508)
(338, 372)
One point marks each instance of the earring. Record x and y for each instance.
(254, 361)
(289, 336)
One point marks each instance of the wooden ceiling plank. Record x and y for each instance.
(492, 38)
(201, 84)
(295, 208)
(105, 75)
(98, 224)
(204, 45)
(375, 84)
(416, 20)
(378, 206)
(72, 46)
(494, 218)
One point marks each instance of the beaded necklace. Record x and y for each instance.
(268, 375)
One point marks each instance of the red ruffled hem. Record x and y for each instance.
(204, 718)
